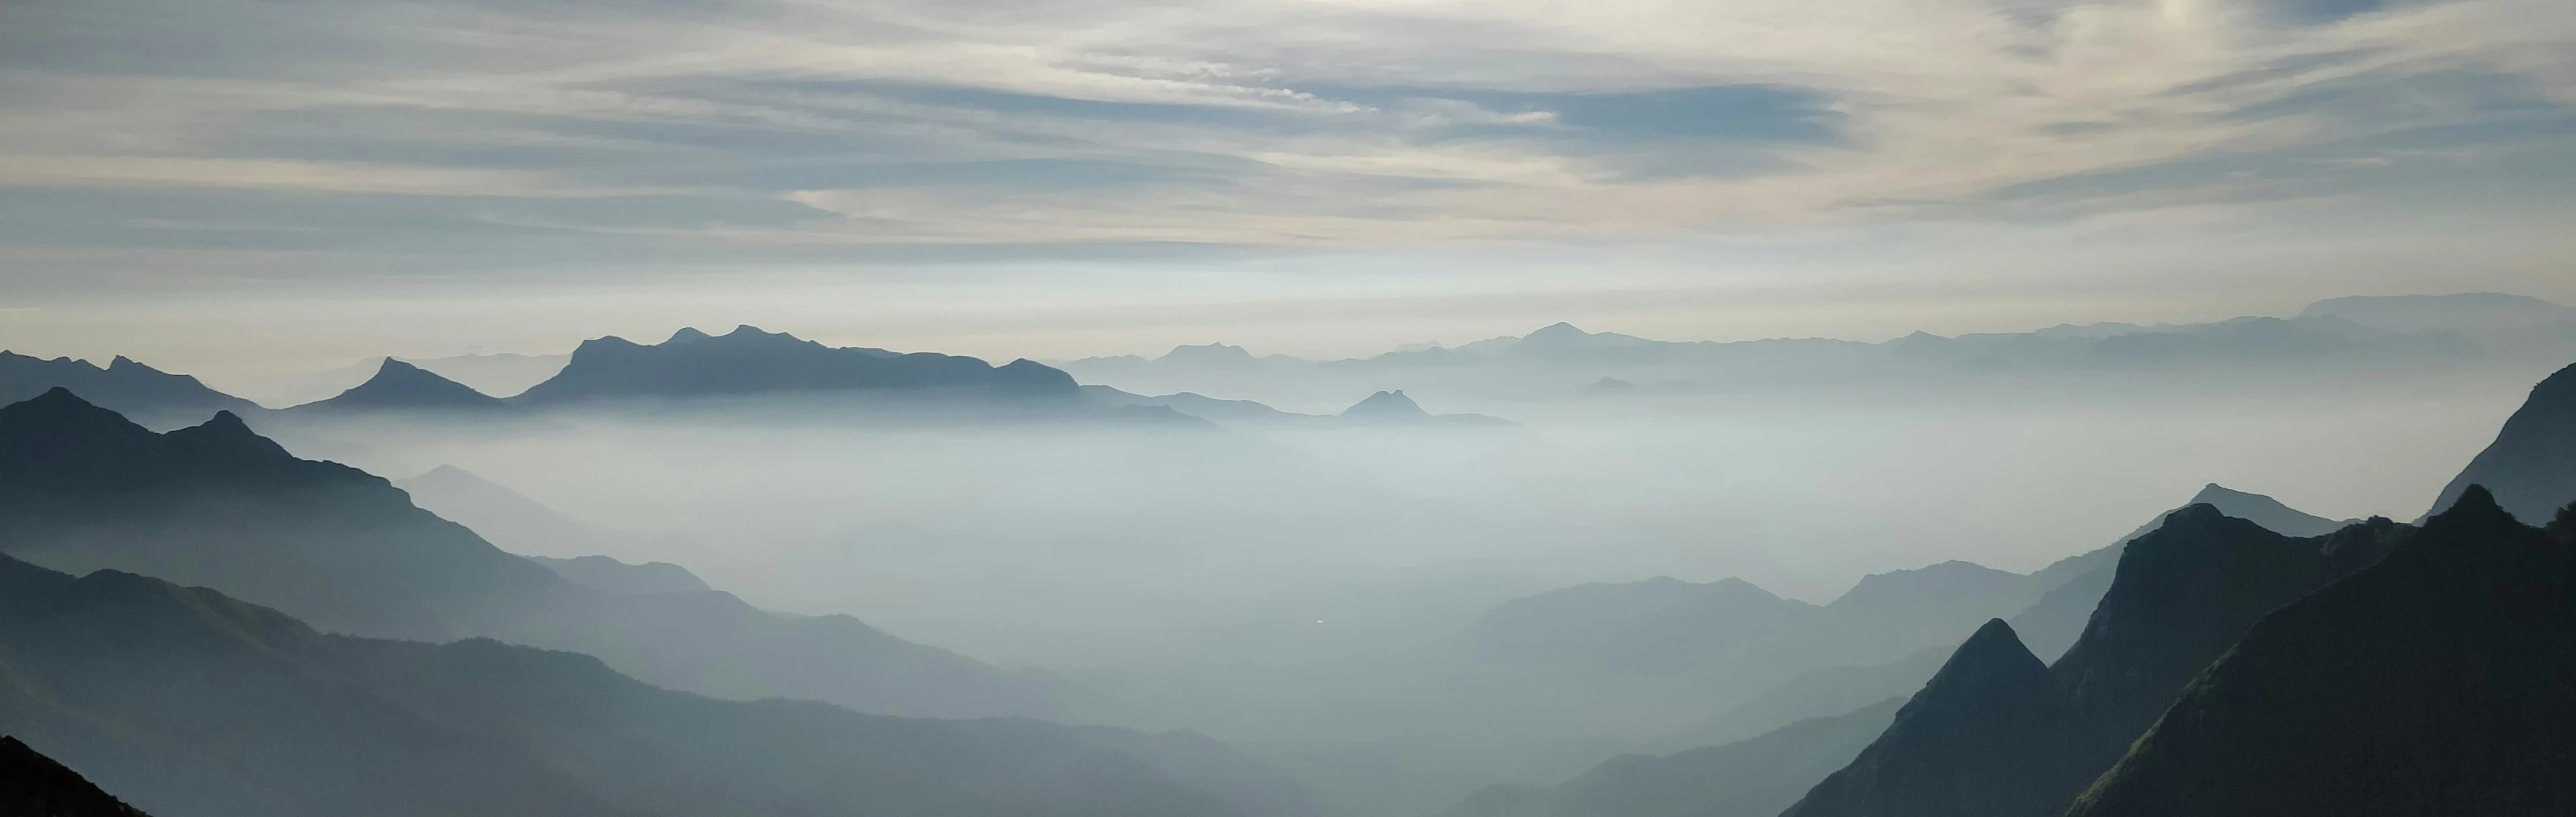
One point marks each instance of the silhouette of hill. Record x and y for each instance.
(2531, 466)
(216, 505)
(2051, 626)
(748, 361)
(1756, 777)
(190, 702)
(2435, 682)
(1991, 713)
(1200, 406)
(399, 386)
(128, 387)
(33, 785)
(2181, 596)
(1393, 408)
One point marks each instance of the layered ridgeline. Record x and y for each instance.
(217, 505)
(187, 702)
(1379, 409)
(2531, 466)
(147, 394)
(2357, 335)
(1997, 733)
(33, 785)
(2439, 681)
(1755, 777)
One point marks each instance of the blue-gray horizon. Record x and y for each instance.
(266, 179)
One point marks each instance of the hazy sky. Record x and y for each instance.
(201, 183)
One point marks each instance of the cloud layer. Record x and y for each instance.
(519, 131)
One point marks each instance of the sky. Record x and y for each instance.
(230, 184)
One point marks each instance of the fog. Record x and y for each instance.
(1301, 589)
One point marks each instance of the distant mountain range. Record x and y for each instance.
(150, 395)
(1755, 777)
(192, 703)
(217, 505)
(1385, 409)
(2362, 333)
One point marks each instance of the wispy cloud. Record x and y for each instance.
(801, 123)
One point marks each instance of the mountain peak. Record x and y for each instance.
(1557, 329)
(1386, 404)
(686, 334)
(400, 385)
(2475, 504)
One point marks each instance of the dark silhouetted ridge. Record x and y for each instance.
(1991, 713)
(124, 386)
(219, 506)
(748, 361)
(399, 386)
(188, 702)
(2435, 682)
(2531, 466)
(2181, 596)
(33, 785)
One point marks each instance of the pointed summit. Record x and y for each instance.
(686, 334)
(1386, 405)
(400, 386)
(2475, 505)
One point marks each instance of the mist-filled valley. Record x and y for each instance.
(1507, 584)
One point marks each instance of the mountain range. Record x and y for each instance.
(2531, 466)
(188, 702)
(216, 505)
(2361, 334)
(1996, 732)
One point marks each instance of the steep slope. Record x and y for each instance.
(193, 703)
(399, 386)
(1991, 713)
(149, 394)
(2439, 681)
(748, 361)
(2051, 625)
(218, 506)
(33, 785)
(1756, 777)
(2531, 466)
(2182, 594)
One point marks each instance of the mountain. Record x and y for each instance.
(2531, 466)
(611, 575)
(128, 387)
(1992, 713)
(2465, 312)
(2050, 626)
(399, 386)
(33, 785)
(1998, 734)
(748, 361)
(190, 702)
(1393, 408)
(215, 505)
(2439, 681)
(1756, 777)
(1817, 693)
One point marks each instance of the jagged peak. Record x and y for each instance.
(2475, 506)
(1386, 404)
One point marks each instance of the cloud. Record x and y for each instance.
(796, 124)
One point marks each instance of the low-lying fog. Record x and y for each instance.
(1067, 546)
(1300, 589)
